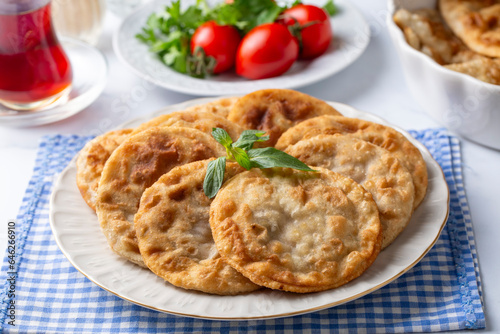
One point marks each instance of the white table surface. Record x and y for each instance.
(374, 83)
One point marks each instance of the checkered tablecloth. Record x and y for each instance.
(442, 292)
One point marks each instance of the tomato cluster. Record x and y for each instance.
(268, 50)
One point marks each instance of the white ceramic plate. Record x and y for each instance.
(351, 36)
(79, 237)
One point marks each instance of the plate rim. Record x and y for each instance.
(179, 106)
(262, 83)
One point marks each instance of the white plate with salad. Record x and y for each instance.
(351, 35)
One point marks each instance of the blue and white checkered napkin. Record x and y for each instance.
(442, 292)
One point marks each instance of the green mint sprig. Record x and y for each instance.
(245, 155)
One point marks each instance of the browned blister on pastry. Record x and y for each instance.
(133, 167)
(377, 134)
(174, 235)
(276, 110)
(296, 231)
(91, 161)
(373, 167)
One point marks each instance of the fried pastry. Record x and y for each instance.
(91, 160)
(377, 134)
(475, 22)
(485, 69)
(376, 169)
(276, 110)
(94, 155)
(199, 120)
(133, 167)
(295, 231)
(173, 231)
(424, 30)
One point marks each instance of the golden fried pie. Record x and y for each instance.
(276, 110)
(174, 235)
(475, 22)
(484, 69)
(425, 31)
(376, 169)
(91, 160)
(377, 134)
(133, 167)
(295, 231)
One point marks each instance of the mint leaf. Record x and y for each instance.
(249, 137)
(330, 8)
(214, 177)
(241, 157)
(222, 137)
(270, 157)
(245, 156)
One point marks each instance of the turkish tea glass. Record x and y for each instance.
(35, 72)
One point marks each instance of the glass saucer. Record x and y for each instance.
(90, 71)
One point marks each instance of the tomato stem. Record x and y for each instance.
(296, 28)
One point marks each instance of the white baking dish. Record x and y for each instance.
(463, 104)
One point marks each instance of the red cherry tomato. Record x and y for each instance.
(220, 42)
(316, 37)
(266, 51)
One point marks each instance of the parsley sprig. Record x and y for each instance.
(245, 155)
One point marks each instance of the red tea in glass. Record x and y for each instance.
(34, 70)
